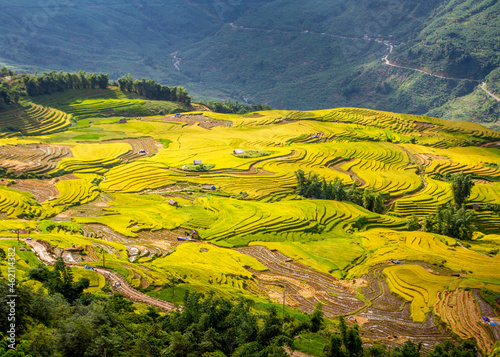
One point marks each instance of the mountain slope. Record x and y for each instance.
(291, 54)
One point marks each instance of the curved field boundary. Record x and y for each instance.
(41, 250)
(304, 287)
(460, 311)
(416, 285)
(483, 87)
(32, 158)
(388, 319)
(17, 204)
(34, 120)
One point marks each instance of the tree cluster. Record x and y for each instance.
(10, 89)
(314, 186)
(152, 90)
(453, 219)
(87, 325)
(234, 107)
(52, 82)
(59, 280)
(461, 186)
(451, 222)
(347, 343)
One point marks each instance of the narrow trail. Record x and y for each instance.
(483, 87)
(116, 281)
(385, 58)
(420, 174)
(386, 61)
(350, 172)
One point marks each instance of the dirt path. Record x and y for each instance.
(483, 87)
(349, 172)
(117, 283)
(386, 61)
(385, 58)
(420, 174)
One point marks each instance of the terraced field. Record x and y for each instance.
(83, 103)
(18, 204)
(33, 120)
(460, 310)
(132, 188)
(32, 158)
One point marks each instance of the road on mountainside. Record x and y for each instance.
(385, 58)
(483, 87)
(386, 61)
(116, 281)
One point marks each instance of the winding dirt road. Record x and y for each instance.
(483, 87)
(117, 283)
(385, 58)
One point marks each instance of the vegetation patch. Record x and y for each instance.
(196, 167)
(252, 154)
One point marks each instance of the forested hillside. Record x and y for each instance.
(288, 54)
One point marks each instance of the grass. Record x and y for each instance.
(252, 154)
(85, 103)
(311, 344)
(82, 103)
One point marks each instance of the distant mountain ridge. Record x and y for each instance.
(289, 54)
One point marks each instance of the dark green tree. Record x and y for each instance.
(461, 186)
(409, 349)
(60, 280)
(353, 343)
(316, 318)
(413, 224)
(334, 347)
(452, 222)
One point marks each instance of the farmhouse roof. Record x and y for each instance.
(173, 202)
(197, 162)
(239, 151)
(194, 231)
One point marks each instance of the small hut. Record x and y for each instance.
(194, 234)
(122, 121)
(197, 162)
(239, 151)
(184, 167)
(171, 202)
(476, 206)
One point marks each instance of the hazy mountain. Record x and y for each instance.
(291, 54)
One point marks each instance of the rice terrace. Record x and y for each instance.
(337, 206)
